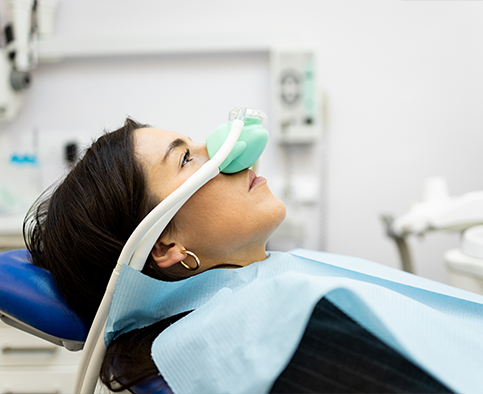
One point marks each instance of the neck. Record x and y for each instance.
(241, 257)
(220, 258)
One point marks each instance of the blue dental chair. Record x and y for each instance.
(30, 301)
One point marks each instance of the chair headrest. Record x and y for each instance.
(28, 294)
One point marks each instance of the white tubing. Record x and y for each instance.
(94, 366)
(94, 345)
(135, 253)
(166, 212)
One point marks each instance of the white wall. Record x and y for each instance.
(402, 81)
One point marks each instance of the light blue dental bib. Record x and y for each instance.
(247, 322)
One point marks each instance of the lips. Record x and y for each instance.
(253, 180)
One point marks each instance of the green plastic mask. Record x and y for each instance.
(249, 147)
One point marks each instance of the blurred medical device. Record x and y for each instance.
(439, 211)
(22, 22)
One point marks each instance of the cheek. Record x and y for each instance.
(208, 209)
(214, 211)
(221, 214)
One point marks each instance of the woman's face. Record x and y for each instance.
(227, 221)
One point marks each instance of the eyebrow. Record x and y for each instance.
(173, 145)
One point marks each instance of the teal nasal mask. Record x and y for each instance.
(250, 144)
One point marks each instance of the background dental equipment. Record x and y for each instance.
(148, 231)
(18, 28)
(439, 211)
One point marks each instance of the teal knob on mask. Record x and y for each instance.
(247, 150)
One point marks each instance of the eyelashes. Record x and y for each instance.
(186, 158)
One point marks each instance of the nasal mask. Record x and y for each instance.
(250, 144)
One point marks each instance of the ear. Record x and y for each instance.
(167, 255)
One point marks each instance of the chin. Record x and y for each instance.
(279, 213)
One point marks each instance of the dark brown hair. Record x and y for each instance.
(78, 230)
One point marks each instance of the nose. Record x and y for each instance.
(202, 152)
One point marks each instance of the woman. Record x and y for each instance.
(79, 231)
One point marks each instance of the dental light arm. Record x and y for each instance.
(439, 211)
(220, 145)
(456, 214)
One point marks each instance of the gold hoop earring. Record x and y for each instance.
(198, 264)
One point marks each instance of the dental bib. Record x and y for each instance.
(247, 322)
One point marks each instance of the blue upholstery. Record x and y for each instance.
(154, 385)
(31, 301)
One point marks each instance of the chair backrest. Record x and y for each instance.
(31, 301)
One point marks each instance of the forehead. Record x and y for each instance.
(150, 144)
(151, 140)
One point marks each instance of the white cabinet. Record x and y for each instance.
(11, 241)
(32, 365)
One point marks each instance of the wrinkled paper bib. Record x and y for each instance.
(247, 322)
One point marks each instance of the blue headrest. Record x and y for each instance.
(29, 295)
